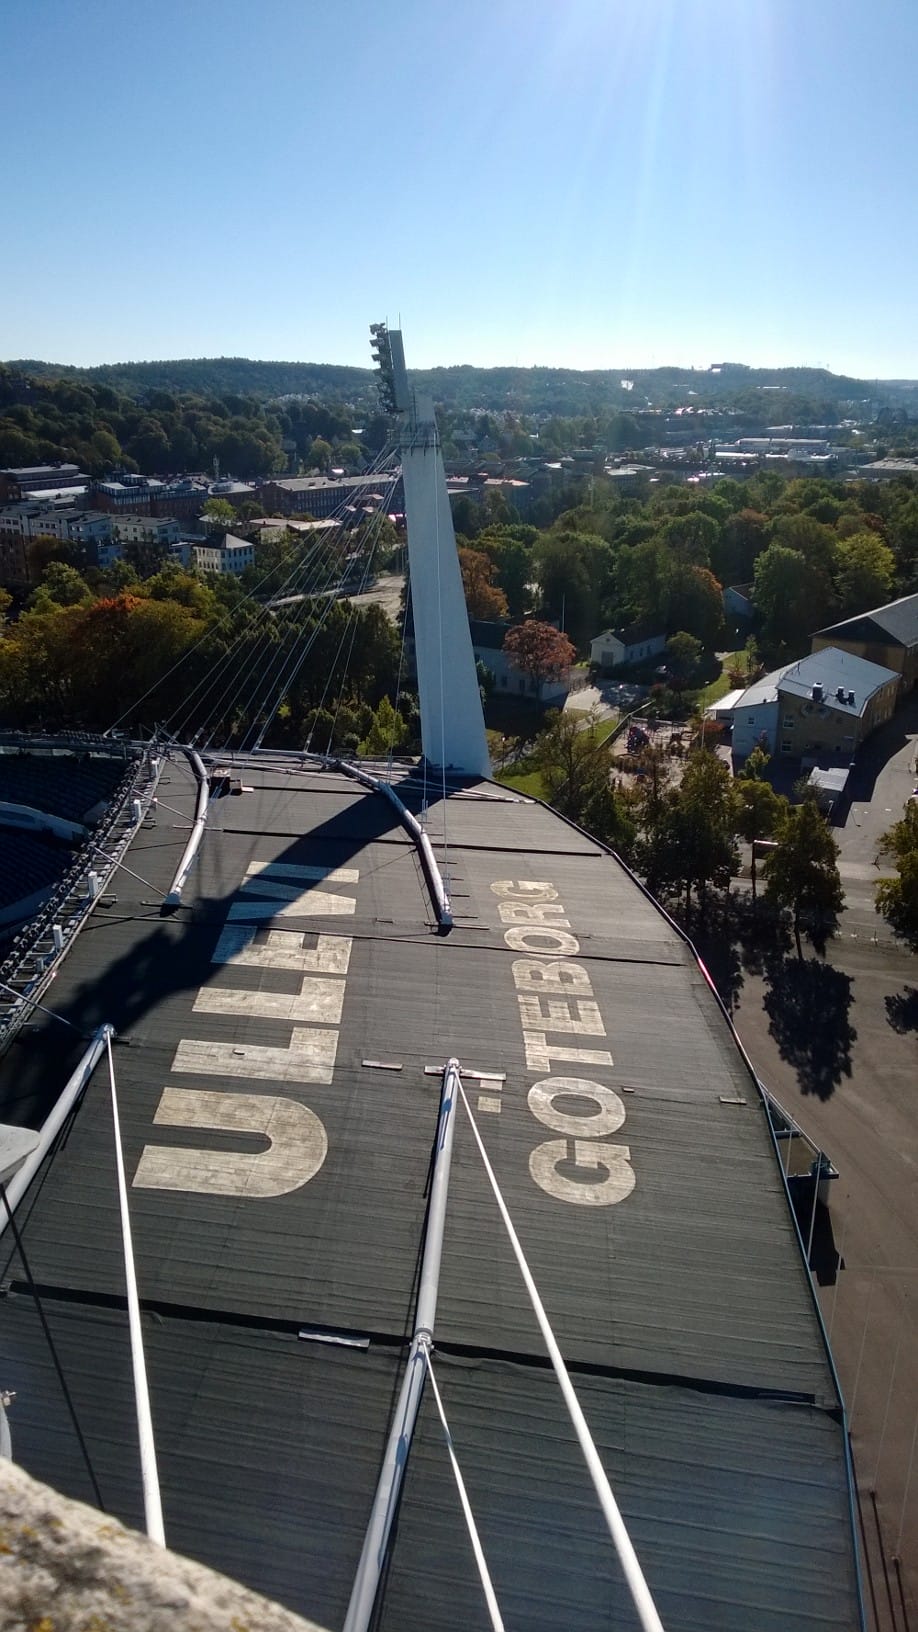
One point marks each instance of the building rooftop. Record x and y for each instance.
(895, 624)
(29, 473)
(832, 669)
(305, 484)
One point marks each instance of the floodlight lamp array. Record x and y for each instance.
(382, 357)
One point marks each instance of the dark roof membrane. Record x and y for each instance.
(684, 1308)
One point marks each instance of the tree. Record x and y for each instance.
(388, 732)
(61, 585)
(802, 873)
(689, 837)
(319, 456)
(575, 766)
(539, 651)
(897, 898)
(575, 574)
(759, 809)
(793, 596)
(867, 568)
(683, 655)
(510, 549)
(694, 603)
(219, 514)
(481, 597)
(742, 540)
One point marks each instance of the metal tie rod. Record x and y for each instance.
(398, 1445)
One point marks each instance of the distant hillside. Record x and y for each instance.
(778, 393)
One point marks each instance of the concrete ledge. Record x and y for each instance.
(69, 1568)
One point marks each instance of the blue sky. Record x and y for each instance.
(589, 183)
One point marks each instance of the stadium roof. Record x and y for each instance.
(276, 1323)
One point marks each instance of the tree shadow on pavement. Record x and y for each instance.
(808, 1005)
(902, 1009)
(716, 940)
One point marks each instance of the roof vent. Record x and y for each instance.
(851, 698)
(841, 694)
(817, 691)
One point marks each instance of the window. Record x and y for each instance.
(789, 722)
(750, 719)
(785, 747)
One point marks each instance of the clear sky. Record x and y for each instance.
(589, 183)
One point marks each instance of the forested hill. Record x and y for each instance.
(523, 390)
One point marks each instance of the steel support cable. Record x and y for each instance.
(350, 632)
(212, 679)
(386, 453)
(152, 1504)
(262, 684)
(277, 683)
(634, 1575)
(483, 1571)
(81, 1441)
(296, 659)
(345, 670)
(328, 559)
(312, 575)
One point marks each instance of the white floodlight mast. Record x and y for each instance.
(452, 723)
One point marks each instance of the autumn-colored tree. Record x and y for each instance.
(539, 651)
(483, 599)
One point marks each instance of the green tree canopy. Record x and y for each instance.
(793, 596)
(866, 570)
(802, 873)
(897, 898)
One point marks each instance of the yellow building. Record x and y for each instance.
(830, 702)
(888, 636)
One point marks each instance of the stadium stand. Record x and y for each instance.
(29, 864)
(68, 786)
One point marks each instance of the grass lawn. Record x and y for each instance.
(524, 782)
(718, 688)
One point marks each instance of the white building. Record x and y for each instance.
(128, 529)
(231, 555)
(615, 648)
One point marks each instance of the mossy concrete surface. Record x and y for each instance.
(65, 1567)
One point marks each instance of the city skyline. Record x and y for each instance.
(672, 184)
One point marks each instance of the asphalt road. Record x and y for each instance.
(835, 1041)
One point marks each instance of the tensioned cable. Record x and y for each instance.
(442, 692)
(287, 642)
(17, 1238)
(398, 686)
(322, 553)
(634, 1575)
(152, 1503)
(297, 657)
(386, 453)
(279, 686)
(483, 1571)
(290, 664)
(32, 1003)
(351, 630)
